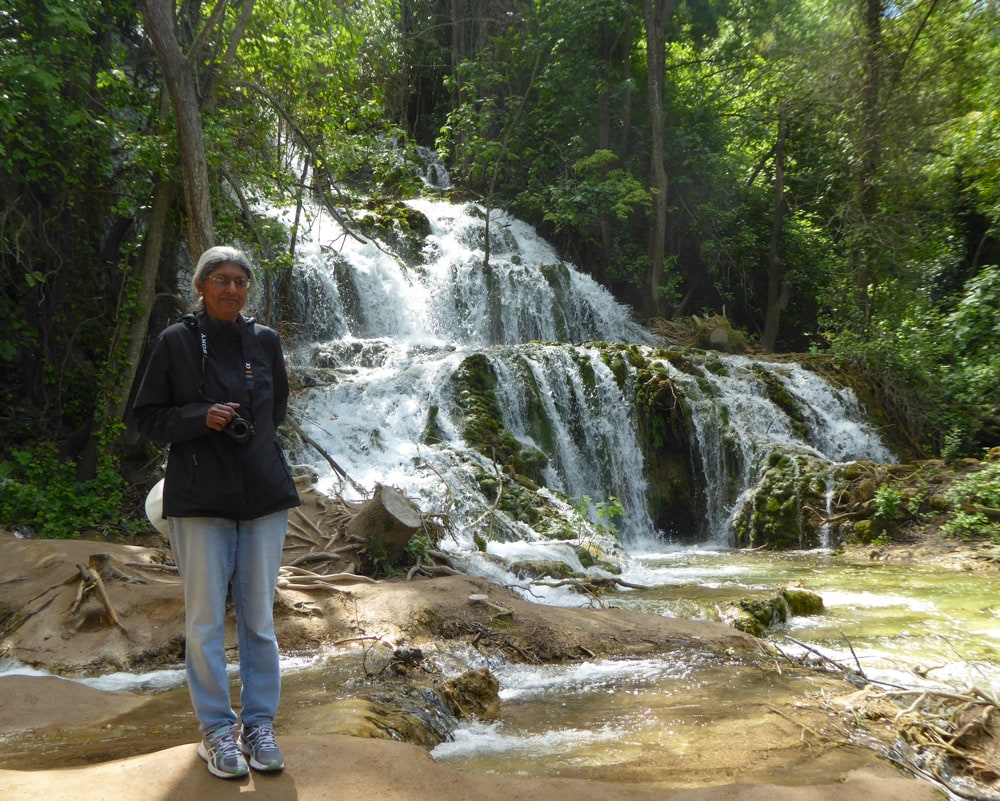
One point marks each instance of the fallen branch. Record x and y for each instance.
(154, 566)
(591, 581)
(319, 448)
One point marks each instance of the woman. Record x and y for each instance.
(215, 390)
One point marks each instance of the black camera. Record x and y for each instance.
(239, 429)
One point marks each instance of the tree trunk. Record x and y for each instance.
(657, 14)
(774, 301)
(177, 73)
(869, 157)
(387, 522)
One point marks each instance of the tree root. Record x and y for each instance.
(92, 578)
(950, 736)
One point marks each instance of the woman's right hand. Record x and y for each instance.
(219, 414)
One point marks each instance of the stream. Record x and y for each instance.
(902, 625)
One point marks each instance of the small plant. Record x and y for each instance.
(420, 546)
(607, 513)
(887, 502)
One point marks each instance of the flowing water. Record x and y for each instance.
(385, 331)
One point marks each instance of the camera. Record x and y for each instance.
(239, 430)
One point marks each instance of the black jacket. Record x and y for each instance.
(208, 473)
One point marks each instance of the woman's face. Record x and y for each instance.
(225, 291)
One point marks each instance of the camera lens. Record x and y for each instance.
(239, 429)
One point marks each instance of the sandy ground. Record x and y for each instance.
(44, 623)
(337, 768)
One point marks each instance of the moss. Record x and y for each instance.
(802, 602)
(539, 568)
(716, 367)
(474, 388)
(780, 511)
(779, 395)
(755, 615)
(681, 361)
(403, 228)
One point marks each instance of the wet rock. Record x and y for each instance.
(755, 615)
(803, 603)
(539, 568)
(474, 694)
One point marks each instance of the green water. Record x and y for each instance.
(903, 624)
(669, 722)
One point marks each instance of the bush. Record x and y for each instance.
(39, 492)
(972, 495)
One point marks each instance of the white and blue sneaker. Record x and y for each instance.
(223, 755)
(260, 747)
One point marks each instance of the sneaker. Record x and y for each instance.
(220, 751)
(258, 743)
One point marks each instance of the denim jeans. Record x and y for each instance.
(213, 555)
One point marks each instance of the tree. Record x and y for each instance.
(657, 15)
(179, 78)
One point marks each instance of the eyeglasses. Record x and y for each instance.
(225, 280)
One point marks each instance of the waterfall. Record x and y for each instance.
(739, 419)
(388, 323)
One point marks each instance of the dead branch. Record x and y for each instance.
(305, 519)
(591, 581)
(322, 452)
(153, 566)
(92, 579)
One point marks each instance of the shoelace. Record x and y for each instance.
(262, 737)
(223, 742)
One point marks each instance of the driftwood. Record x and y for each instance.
(951, 736)
(590, 582)
(319, 448)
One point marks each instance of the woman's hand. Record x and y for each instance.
(219, 414)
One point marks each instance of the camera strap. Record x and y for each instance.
(246, 346)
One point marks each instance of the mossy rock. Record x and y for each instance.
(591, 555)
(733, 614)
(474, 694)
(400, 226)
(803, 603)
(539, 568)
(474, 390)
(869, 529)
(779, 512)
(755, 615)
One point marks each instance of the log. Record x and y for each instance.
(388, 520)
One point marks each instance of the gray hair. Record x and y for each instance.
(211, 260)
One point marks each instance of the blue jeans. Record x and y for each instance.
(214, 554)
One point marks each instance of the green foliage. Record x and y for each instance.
(972, 331)
(887, 502)
(607, 514)
(969, 494)
(39, 492)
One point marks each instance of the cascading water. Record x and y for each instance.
(393, 321)
(738, 422)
